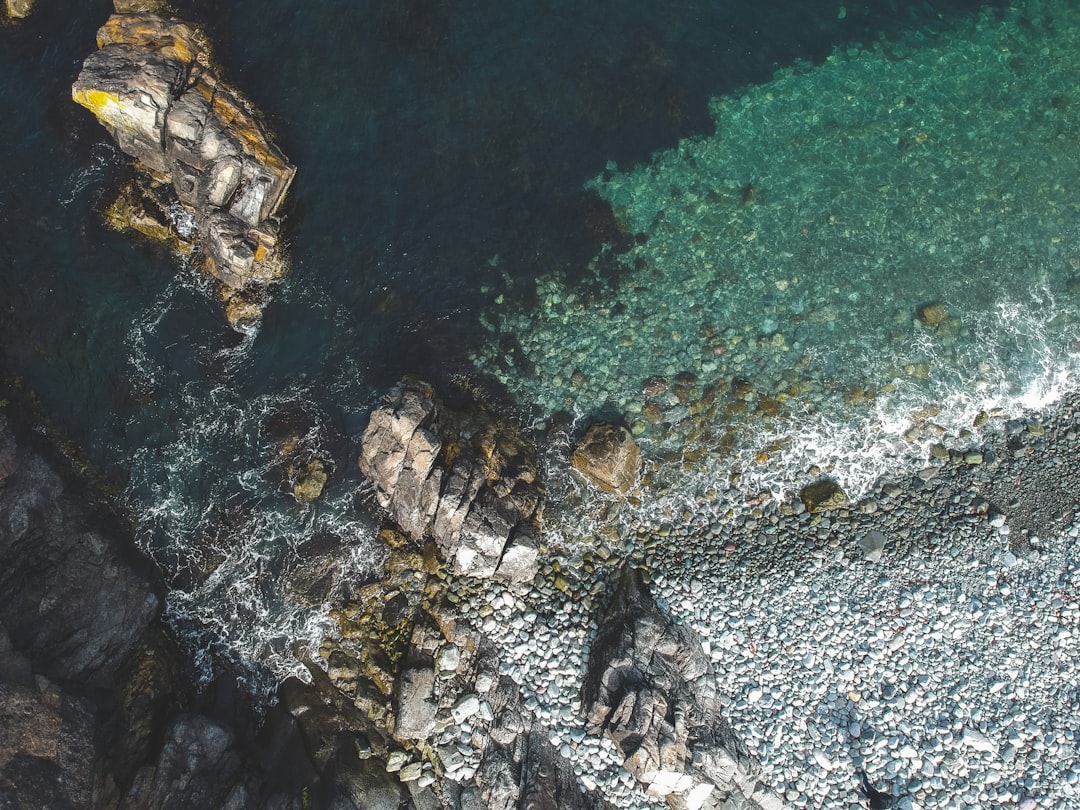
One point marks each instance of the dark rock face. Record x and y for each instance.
(198, 767)
(69, 601)
(609, 457)
(462, 477)
(651, 689)
(151, 85)
(46, 739)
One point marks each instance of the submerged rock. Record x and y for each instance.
(609, 457)
(462, 477)
(651, 689)
(152, 85)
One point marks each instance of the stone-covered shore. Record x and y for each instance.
(923, 636)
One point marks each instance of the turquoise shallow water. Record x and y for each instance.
(867, 257)
(451, 171)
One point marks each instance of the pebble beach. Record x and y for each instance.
(925, 635)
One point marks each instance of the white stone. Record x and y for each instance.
(411, 772)
(395, 761)
(978, 741)
(466, 707)
(448, 658)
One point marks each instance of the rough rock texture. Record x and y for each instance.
(609, 457)
(198, 767)
(462, 477)
(18, 9)
(651, 689)
(823, 495)
(69, 601)
(152, 86)
(46, 739)
(407, 679)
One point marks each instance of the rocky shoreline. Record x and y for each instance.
(787, 651)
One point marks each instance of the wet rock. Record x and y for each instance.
(18, 9)
(608, 456)
(315, 578)
(650, 688)
(462, 477)
(931, 314)
(822, 496)
(151, 84)
(146, 701)
(47, 753)
(68, 599)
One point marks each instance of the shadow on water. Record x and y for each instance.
(443, 146)
(442, 149)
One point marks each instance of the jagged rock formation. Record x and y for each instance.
(609, 457)
(152, 85)
(651, 689)
(462, 477)
(90, 687)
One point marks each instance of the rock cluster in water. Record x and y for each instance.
(461, 476)
(153, 86)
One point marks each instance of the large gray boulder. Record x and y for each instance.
(152, 86)
(651, 689)
(462, 477)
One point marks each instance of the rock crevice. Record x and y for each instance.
(462, 477)
(152, 85)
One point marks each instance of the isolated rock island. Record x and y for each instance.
(153, 85)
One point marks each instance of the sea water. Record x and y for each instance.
(450, 217)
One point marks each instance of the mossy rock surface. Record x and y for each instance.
(823, 495)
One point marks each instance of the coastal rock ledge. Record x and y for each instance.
(652, 690)
(152, 85)
(462, 477)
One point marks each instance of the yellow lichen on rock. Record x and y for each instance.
(172, 39)
(18, 9)
(106, 106)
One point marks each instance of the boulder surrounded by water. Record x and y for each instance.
(609, 457)
(461, 476)
(153, 85)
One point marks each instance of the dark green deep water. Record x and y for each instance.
(443, 150)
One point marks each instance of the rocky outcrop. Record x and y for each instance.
(651, 689)
(47, 751)
(152, 85)
(68, 599)
(462, 477)
(609, 457)
(18, 9)
(198, 767)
